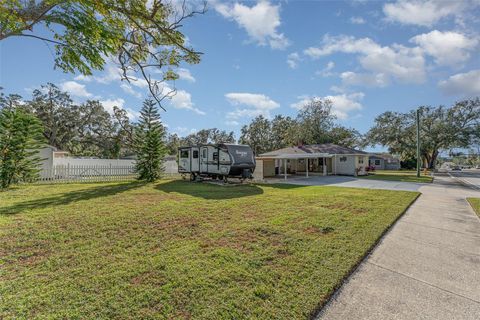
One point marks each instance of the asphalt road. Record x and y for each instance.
(468, 177)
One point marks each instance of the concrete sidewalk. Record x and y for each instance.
(426, 267)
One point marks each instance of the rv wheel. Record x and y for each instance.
(192, 176)
(225, 179)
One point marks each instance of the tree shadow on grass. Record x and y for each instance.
(70, 197)
(282, 185)
(210, 191)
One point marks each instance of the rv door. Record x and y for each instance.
(195, 159)
(204, 159)
(184, 160)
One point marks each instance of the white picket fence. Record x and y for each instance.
(86, 173)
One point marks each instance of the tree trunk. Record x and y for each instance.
(433, 159)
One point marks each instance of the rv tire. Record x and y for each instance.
(192, 176)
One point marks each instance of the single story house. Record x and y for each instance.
(384, 161)
(317, 159)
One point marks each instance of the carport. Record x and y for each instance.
(283, 158)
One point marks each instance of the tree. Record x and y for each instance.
(20, 140)
(173, 143)
(441, 128)
(315, 121)
(257, 135)
(283, 132)
(347, 137)
(149, 143)
(55, 110)
(212, 135)
(140, 36)
(97, 133)
(87, 129)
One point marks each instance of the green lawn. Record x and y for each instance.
(181, 250)
(398, 175)
(475, 203)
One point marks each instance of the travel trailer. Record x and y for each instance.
(216, 161)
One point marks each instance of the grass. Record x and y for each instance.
(181, 250)
(398, 175)
(475, 203)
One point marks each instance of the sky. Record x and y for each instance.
(268, 58)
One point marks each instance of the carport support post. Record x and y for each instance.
(307, 167)
(285, 168)
(324, 166)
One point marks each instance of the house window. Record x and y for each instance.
(195, 154)
(377, 162)
(183, 153)
(343, 159)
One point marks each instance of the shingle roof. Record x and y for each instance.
(329, 148)
(384, 156)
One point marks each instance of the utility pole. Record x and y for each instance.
(418, 143)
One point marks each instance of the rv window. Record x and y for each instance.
(183, 153)
(195, 154)
(360, 160)
(215, 156)
(204, 153)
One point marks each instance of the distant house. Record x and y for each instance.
(319, 159)
(384, 161)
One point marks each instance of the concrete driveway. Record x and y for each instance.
(426, 267)
(351, 182)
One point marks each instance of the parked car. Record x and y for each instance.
(477, 167)
(456, 168)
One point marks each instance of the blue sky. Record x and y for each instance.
(269, 57)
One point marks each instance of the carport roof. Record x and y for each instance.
(295, 156)
(311, 151)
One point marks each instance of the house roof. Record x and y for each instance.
(384, 156)
(311, 150)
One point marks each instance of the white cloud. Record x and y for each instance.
(111, 73)
(346, 44)
(447, 48)
(184, 131)
(128, 89)
(183, 100)
(75, 89)
(462, 84)
(364, 79)
(357, 20)
(252, 105)
(422, 13)
(327, 71)
(108, 105)
(293, 59)
(396, 61)
(342, 104)
(260, 21)
(184, 74)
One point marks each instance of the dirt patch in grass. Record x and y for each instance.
(179, 250)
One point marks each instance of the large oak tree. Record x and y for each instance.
(441, 128)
